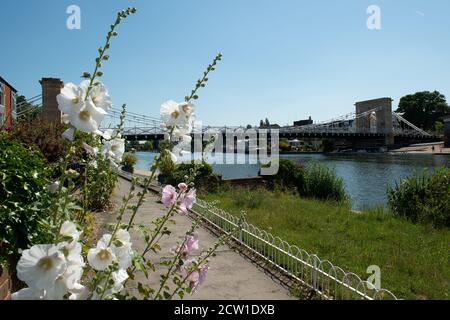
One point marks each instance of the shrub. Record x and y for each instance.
(205, 178)
(290, 176)
(322, 183)
(423, 198)
(45, 136)
(99, 184)
(23, 197)
(128, 161)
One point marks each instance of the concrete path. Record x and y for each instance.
(230, 276)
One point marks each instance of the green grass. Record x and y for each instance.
(414, 259)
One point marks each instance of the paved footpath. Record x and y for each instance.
(230, 276)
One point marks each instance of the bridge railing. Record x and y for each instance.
(308, 271)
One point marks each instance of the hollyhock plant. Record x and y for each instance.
(169, 196)
(70, 266)
(188, 200)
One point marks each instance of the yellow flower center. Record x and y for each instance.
(114, 148)
(84, 115)
(103, 254)
(45, 263)
(186, 108)
(175, 114)
(76, 100)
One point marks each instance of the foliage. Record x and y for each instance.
(423, 108)
(423, 198)
(204, 178)
(327, 145)
(129, 160)
(100, 181)
(43, 135)
(313, 181)
(284, 145)
(30, 110)
(413, 258)
(323, 183)
(23, 197)
(439, 127)
(290, 176)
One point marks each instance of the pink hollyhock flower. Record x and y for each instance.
(190, 244)
(188, 200)
(183, 187)
(169, 196)
(198, 277)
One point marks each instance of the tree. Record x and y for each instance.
(424, 108)
(30, 111)
(148, 146)
(439, 127)
(261, 124)
(267, 122)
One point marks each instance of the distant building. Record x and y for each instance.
(270, 126)
(8, 97)
(302, 123)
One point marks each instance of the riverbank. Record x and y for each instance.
(431, 148)
(414, 259)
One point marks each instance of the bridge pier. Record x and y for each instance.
(447, 132)
(383, 117)
(50, 89)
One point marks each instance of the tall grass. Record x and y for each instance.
(322, 182)
(423, 198)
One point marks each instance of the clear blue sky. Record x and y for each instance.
(285, 59)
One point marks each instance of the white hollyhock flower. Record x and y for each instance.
(187, 109)
(121, 247)
(40, 266)
(174, 114)
(70, 98)
(69, 134)
(69, 230)
(90, 150)
(53, 187)
(79, 292)
(101, 257)
(28, 294)
(82, 114)
(98, 94)
(114, 149)
(119, 277)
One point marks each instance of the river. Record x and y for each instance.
(366, 176)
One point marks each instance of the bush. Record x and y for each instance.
(99, 184)
(323, 183)
(290, 176)
(204, 179)
(423, 198)
(45, 136)
(23, 197)
(128, 161)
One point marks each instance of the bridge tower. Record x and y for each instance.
(383, 117)
(51, 87)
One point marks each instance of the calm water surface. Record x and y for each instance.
(366, 176)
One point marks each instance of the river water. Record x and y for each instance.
(366, 176)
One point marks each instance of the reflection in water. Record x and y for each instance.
(366, 176)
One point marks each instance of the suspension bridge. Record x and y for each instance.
(372, 124)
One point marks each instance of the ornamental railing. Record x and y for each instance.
(307, 270)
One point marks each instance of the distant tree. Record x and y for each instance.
(423, 109)
(261, 124)
(249, 126)
(32, 111)
(148, 146)
(284, 145)
(267, 122)
(439, 127)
